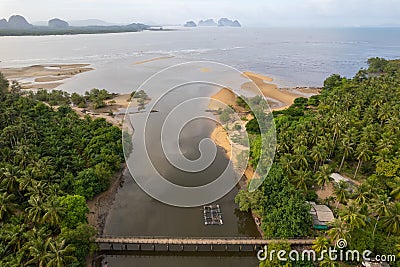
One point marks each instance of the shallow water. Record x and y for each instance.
(293, 57)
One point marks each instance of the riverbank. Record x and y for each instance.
(278, 99)
(101, 204)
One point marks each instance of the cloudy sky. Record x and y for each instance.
(249, 12)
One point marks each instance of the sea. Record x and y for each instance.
(292, 56)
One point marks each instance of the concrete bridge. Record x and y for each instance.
(190, 244)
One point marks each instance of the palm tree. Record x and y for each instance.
(52, 212)
(320, 244)
(340, 191)
(9, 178)
(287, 163)
(328, 262)
(353, 217)
(339, 230)
(395, 185)
(391, 222)
(36, 209)
(59, 254)
(346, 145)
(300, 157)
(318, 154)
(6, 205)
(301, 179)
(384, 112)
(322, 175)
(14, 236)
(363, 154)
(362, 194)
(381, 208)
(37, 246)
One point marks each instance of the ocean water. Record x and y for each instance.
(293, 57)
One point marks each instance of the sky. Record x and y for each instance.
(268, 13)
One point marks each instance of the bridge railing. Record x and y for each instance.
(202, 237)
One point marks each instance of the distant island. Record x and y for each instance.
(207, 22)
(223, 22)
(190, 24)
(17, 25)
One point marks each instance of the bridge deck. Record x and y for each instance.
(197, 241)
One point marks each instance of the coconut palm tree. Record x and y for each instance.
(14, 236)
(339, 230)
(322, 175)
(380, 207)
(363, 154)
(362, 194)
(37, 247)
(35, 210)
(318, 154)
(59, 254)
(395, 185)
(353, 217)
(320, 244)
(6, 205)
(287, 163)
(340, 191)
(391, 222)
(328, 262)
(52, 212)
(301, 179)
(346, 146)
(300, 157)
(9, 178)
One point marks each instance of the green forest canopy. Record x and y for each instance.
(51, 162)
(352, 127)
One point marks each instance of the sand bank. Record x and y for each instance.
(283, 97)
(44, 76)
(152, 59)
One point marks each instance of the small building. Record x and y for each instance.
(322, 216)
(337, 178)
(375, 264)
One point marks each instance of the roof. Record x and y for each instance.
(321, 214)
(375, 264)
(337, 178)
